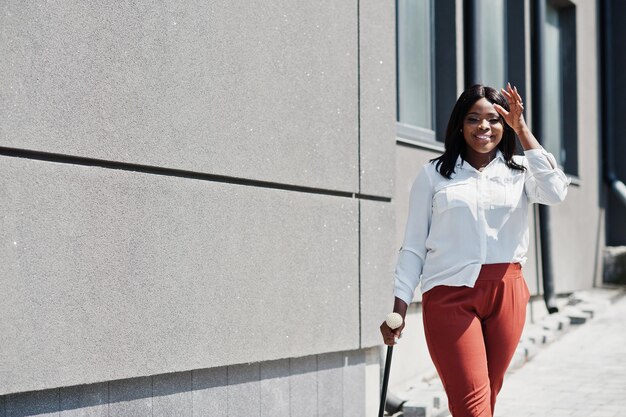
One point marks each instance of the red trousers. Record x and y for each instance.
(472, 334)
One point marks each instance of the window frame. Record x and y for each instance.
(406, 130)
(569, 83)
(443, 82)
(473, 50)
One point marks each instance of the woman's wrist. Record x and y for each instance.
(400, 307)
(522, 129)
(527, 139)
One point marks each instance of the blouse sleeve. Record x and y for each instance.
(413, 251)
(545, 182)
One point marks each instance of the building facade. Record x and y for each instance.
(202, 201)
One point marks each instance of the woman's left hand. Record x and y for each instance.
(515, 116)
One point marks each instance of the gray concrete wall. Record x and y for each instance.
(320, 385)
(115, 274)
(121, 271)
(377, 104)
(377, 99)
(244, 89)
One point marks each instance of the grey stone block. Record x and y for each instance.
(275, 388)
(172, 395)
(530, 348)
(354, 384)
(414, 409)
(141, 274)
(210, 392)
(538, 334)
(131, 397)
(556, 322)
(426, 396)
(575, 315)
(330, 384)
(378, 255)
(377, 68)
(267, 93)
(303, 386)
(39, 403)
(85, 400)
(244, 390)
(591, 308)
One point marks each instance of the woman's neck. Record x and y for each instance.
(480, 160)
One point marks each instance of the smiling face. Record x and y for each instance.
(482, 131)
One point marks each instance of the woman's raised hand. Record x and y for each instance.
(515, 116)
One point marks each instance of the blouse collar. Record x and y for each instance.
(460, 163)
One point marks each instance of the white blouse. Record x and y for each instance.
(477, 217)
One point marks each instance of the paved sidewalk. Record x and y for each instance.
(582, 374)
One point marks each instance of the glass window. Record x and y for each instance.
(552, 85)
(559, 97)
(491, 39)
(415, 77)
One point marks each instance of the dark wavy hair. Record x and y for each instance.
(455, 143)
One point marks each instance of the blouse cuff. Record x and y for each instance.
(540, 159)
(404, 294)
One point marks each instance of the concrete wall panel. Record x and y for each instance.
(378, 256)
(210, 392)
(275, 382)
(172, 395)
(303, 386)
(377, 72)
(330, 383)
(131, 397)
(575, 226)
(38, 403)
(244, 390)
(319, 385)
(140, 274)
(85, 401)
(239, 88)
(354, 384)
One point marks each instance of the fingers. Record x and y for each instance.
(517, 96)
(503, 112)
(511, 94)
(514, 99)
(389, 336)
(506, 93)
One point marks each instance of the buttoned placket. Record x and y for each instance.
(481, 179)
(481, 191)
